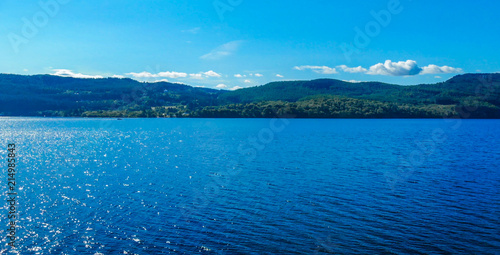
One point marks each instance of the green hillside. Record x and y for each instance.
(47, 95)
(452, 91)
(63, 96)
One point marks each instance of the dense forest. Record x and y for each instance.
(467, 96)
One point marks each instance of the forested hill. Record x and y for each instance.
(50, 95)
(452, 91)
(468, 96)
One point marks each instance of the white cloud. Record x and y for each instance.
(223, 51)
(69, 73)
(248, 81)
(358, 69)
(409, 67)
(142, 75)
(211, 74)
(196, 76)
(352, 81)
(172, 75)
(317, 69)
(235, 88)
(221, 86)
(259, 75)
(434, 69)
(438, 77)
(162, 80)
(176, 82)
(280, 76)
(239, 76)
(202, 75)
(401, 68)
(118, 76)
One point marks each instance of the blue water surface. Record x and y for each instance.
(254, 186)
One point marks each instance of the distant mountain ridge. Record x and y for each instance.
(460, 85)
(48, 95)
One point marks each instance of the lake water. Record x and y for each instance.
(254, 186)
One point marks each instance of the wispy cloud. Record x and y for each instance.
(259, 75)
(434, 69)
(239, 76)
(211, 74)
(162, 80)
(400, 68)
(196, 76)
(173, 75)
(142, 75)
(235, 88)
(178, 82)
(203, 75)
(317, 69)
(280, 76)
(347, 69)
(223, 51)
(69, 73)
(352, 81)
(221, 86)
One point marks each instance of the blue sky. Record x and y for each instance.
(240, 43)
